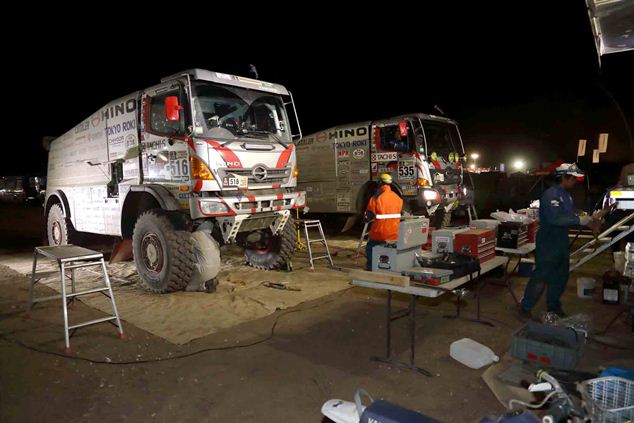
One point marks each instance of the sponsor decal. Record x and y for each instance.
(95, 120)
(84, 126)
(121, 127)
(358, 154)
(154, 144)
(130, 140)
(384, 157)
(343, 154)
(127, 106)
(346, 133)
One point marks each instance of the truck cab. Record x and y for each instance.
(201, 151)
(424, 155)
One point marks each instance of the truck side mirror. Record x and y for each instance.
(172, 108)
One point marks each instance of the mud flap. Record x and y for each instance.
(352, 220)
(121, 251)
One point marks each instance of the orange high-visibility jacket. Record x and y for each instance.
(385, 201)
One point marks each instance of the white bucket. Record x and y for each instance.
(585, 287)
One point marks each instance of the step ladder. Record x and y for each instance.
(472, 213)
(599, 244)
(362, 239)
(316, 224)
(72, 257)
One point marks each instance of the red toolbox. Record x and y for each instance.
(532, 228)
(478, 243)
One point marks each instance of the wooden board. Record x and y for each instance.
(379, 277)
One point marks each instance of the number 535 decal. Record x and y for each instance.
(406, 170)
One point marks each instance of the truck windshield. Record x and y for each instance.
(442, 139)
(225, 112)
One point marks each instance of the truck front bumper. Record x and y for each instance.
(205, 207)
(248, 213)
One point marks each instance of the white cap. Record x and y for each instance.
(569, 169)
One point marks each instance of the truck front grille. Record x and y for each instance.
(260, 175)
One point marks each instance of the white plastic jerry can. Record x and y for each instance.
(472, 354)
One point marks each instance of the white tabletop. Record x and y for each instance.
(521, 251)
(431, 291)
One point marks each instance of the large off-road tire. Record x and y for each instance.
(273, 251)
(163, 253)
(59, 230)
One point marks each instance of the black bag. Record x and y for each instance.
(460, 264)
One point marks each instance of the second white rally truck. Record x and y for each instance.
(201, 152)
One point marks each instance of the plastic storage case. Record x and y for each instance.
(609, 399)
(547, 345)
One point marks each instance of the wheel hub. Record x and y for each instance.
(57, 233)
(152, 251)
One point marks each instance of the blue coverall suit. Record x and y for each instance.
(552, 252)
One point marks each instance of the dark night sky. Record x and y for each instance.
(520, 80)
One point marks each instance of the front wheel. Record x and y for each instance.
(163, 254)
(266, 251)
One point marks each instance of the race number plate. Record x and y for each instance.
(406, 170)
(235, 181)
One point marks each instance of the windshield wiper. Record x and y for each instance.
(267, 133)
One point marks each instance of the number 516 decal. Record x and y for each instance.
(178, 166)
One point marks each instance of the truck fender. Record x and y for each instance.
(54, 197)
(160, 194)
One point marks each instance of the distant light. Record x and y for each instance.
(472, 166)
(519, 164)
(475, 156)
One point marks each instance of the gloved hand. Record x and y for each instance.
(585, 220)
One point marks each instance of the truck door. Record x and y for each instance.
(164, 152)
(393, 153)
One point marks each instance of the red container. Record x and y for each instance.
(427, 245)
(532, 231)
(478, 243)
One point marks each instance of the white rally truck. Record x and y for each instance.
(423, 153)
(201, 151)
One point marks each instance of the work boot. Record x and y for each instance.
(559, 312)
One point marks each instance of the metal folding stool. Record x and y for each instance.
(308, 224)
(72, 257)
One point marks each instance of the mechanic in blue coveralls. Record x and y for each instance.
(552, 253)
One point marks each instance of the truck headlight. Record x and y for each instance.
(301, 201)
(213, 207)
(431, 195)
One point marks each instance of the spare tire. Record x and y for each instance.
(266, 251)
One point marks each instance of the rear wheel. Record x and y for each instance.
(163, 254)
(59, 229)
(266, 251)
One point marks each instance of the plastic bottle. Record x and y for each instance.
(472, 354)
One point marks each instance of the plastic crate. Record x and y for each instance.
(548, 346)
(609, 399)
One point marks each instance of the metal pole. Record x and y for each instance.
(62, 276)
(31, 288)
(389, 324)
(412, 329)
